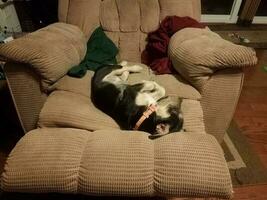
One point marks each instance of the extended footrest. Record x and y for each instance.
(115, 162)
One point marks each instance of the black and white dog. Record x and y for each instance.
(142, 106)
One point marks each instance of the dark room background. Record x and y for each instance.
(35, 14)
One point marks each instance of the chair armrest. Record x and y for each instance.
(220, 96)
(214, 66)
(24, 85)
(199, 53)
(50, 51)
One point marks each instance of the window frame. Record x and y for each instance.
(231, 18)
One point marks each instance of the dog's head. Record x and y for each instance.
(167, 118)
(170, 124)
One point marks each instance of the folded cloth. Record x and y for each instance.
(100, 51)
(156, 53)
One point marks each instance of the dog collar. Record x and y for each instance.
(152, 108)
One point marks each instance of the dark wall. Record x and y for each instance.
(35, 14)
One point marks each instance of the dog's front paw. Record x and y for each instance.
(148, 86)
(123, 63)
(135, 68)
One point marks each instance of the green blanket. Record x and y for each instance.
(100, 51)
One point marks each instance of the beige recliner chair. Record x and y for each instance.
(71, 147)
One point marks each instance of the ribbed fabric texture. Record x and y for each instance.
(193, 116)
(114, 162)
(189, 165)
(129, 20)
(180, 8)
(124, 15)
(69, 105)
(175, 85)
(214, 67)
(149, 15)
(67, 109)
(129, 15)
(51, 51)
(117, 163)
(24, 85)
(63, 6)
(219, 99)
(197, 53)
(81, 86)
(129, 49)
(109, 16)
(46, 162)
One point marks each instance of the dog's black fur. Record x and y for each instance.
(118, 101)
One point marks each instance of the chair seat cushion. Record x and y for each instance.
(69, 105)
(174, 84)
(115, 162)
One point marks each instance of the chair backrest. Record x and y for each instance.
(126, 22)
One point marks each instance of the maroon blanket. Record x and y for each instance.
(156, 53)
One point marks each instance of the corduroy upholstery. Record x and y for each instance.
(68, 109)
(121, 163)
(51, 51)
(102, 160)
(219, 107)
(126, 21)
(69, 105)
(208, 53)
(24, 86)
(214, 66)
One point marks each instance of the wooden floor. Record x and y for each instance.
(251, 117)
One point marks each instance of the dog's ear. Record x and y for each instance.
(162, 128)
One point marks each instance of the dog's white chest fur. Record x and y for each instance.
(144, 99)
(148, 95)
